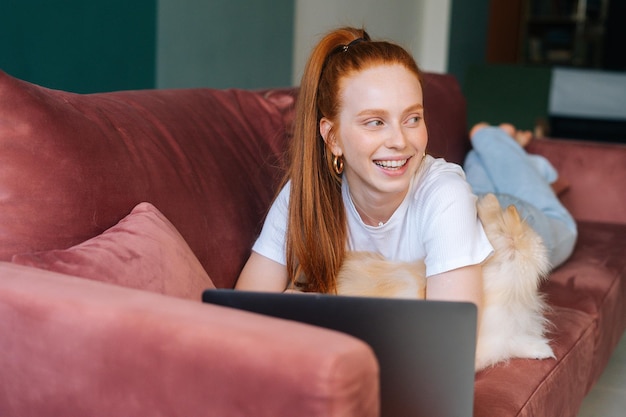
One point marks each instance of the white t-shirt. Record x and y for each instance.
(436, 222)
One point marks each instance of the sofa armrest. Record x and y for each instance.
(596, 173)
(71, 346)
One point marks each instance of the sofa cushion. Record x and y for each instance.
(596, 173)
(527, 387)
(142, 251)
(592, 282)
(73, 165)
(595, 267)
(445, 116)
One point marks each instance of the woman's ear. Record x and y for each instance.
(326, 130)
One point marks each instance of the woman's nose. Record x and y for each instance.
(396, 138)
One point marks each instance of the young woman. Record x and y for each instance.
(360, 180)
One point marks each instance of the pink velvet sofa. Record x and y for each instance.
(118, 209)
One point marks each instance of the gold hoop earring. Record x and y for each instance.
(338, 164)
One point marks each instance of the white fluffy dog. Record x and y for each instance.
(512, 323)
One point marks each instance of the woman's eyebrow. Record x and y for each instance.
(382, 112)
(415, 107)
(372, 112)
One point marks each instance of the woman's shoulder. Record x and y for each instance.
(441, 183)
(280, 204)
(284, 192)
(438, 170)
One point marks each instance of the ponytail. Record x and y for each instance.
(317, 226)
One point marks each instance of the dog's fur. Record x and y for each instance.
(512, 323)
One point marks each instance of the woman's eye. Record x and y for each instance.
(374, 123)
(414, 120)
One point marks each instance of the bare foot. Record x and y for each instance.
(522, 137)
(476, 128)
(508, 128)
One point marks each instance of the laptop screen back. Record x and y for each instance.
(425, 349)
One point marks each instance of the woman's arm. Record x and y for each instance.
(262, 274)
(462, 284)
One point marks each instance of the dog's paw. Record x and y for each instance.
(536, 349)
(483, 363)
(523, 349)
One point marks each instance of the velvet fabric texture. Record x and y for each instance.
(593, 282)
(598, 168)
(74, 165)
(142, 251)
(77, 347)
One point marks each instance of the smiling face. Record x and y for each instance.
(381, 134)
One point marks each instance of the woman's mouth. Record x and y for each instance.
(392, 164)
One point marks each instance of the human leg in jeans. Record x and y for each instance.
(499, 164)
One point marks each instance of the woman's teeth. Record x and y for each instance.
(391, 164)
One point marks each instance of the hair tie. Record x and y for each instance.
(354, 42)
(344, 48)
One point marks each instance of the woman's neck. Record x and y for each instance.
(376, 211)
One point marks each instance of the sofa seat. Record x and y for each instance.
(592, 282)
(550, 387)
(586, 295)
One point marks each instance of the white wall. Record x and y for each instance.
(421, 26)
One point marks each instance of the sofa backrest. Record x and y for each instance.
(73, 165)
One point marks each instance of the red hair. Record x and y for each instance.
(317, 226)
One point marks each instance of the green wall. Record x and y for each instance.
(106, 45)
(79, 45)
(507, 93)
(225, 43)
(469, 22)
(494, 93)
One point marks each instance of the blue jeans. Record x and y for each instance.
(498, 164)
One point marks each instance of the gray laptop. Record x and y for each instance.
(425, 349)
